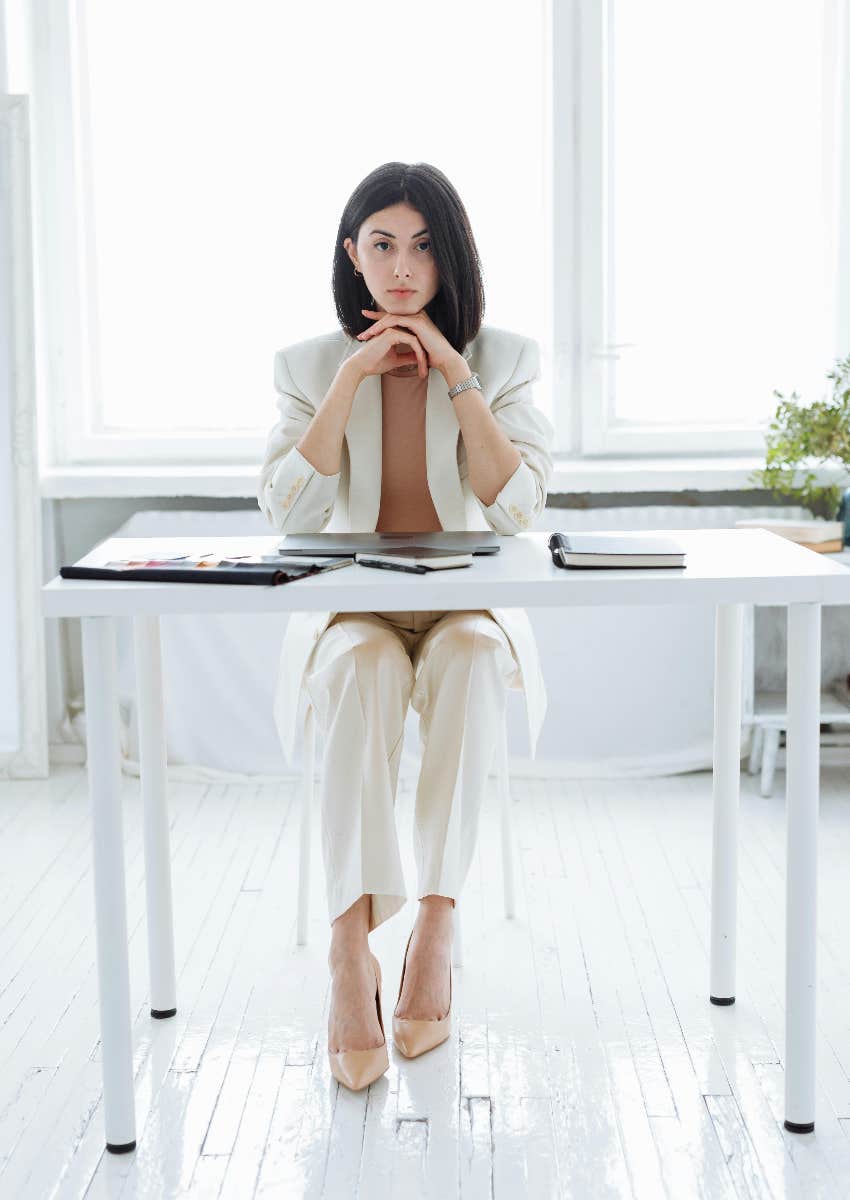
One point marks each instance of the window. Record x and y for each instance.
(655, 189)
(708, 174)
(216, 146)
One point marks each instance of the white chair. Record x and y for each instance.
(770, 719)
(500, 756)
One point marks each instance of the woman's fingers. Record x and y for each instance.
(411, 340)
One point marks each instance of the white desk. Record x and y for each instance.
(726, 568)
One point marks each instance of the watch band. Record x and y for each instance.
(473, 381)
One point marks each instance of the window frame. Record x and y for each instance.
(575, 356)
(601, 433)
(69, 435)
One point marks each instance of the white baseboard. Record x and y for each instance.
(699, 759)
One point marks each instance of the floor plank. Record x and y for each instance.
(584, 1061)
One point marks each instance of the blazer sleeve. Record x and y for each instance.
(293, 495)
(523, 497)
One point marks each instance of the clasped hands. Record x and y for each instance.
(439, 352)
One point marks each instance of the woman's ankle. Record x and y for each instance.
(435, 908)
(350, 930)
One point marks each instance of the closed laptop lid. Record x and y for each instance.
(469, 541)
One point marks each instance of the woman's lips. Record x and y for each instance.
(402, 291)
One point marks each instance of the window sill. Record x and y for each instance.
(641, 478)
(229, 481)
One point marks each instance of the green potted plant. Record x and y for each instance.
(801, 433)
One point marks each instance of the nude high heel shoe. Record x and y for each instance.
(413, 1037)
(358, 1068)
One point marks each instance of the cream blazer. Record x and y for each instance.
(296, 498)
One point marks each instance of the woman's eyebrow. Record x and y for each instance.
(392, 235)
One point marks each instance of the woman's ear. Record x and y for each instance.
(348, 246)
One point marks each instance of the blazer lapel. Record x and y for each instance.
(364, 437)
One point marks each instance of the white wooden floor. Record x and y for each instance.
(585, 1058)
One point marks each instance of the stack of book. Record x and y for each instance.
(827, 537)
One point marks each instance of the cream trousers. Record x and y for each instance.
(454, 667)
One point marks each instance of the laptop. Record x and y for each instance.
(468, 541)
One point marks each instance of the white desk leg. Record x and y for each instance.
(154, 789)
(113, 974)
(801, 881)
(728, 650)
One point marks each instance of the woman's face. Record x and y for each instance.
(393, 251)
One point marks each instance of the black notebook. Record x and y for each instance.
(626, 549)
(269, 569)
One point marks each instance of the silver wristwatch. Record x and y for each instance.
(473, 381)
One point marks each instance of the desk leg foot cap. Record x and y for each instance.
(161, 1013)
(120, 1148)
(722, 999)
(796, 1127)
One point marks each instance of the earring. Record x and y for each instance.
(371, 297)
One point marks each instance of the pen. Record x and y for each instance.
(394, 567)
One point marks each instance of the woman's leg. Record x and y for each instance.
(353, 1018)
(464, 665)
(359, 680)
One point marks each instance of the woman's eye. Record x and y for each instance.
(421, 244)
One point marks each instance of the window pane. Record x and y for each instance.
(226, 139)
(721, 242)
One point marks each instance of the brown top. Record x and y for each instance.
(406, 504)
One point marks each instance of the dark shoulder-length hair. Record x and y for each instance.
(458, 307)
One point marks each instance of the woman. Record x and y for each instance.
(411, 418)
